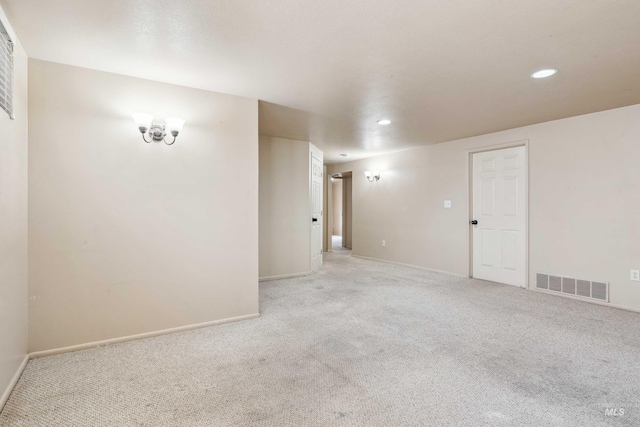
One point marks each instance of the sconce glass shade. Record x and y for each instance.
(174, 125)
(142, 121)
(372, 175)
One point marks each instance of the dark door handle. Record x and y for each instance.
(314, 219)
(474, 222)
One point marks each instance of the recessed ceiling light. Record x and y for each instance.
(344, 155)
(384, 122)
(547, 72)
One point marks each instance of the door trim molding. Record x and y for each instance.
(469, 152)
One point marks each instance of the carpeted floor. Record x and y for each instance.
(360, 343)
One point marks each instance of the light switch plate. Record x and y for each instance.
(635, 275)
(384, 243)
(447, 204)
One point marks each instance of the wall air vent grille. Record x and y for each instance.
(569, 286)
(6, 72)
(584, 288)
(572, 286)
(542, 281)
(555, 283)
(600, 291)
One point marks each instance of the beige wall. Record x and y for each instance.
(584, 201)
(127, 237)
(13, 232)
(337, 207)
(285, 211)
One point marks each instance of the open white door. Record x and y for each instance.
(499, 215)
(316, 208)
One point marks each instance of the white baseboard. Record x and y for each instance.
(433, 270)
(14, 381)
(603, 303)
(102, 343)
(285, 276)
(589, 300)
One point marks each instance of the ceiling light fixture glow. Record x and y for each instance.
(384, 122)
(541, 74)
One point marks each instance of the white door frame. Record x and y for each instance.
(347, 196)
(470, 152)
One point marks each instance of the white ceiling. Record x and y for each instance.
(328, 69)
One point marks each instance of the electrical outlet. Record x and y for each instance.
(384, 243)
(447, 204)
(635, 275)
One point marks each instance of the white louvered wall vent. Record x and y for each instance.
(6, 71)
(572, 286)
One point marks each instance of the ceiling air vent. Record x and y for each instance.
(573, 287)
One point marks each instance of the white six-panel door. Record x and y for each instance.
(316, 210)
(499, 207)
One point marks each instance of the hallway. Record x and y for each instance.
(336, 245)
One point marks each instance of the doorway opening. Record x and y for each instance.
(336, 233)
(341, 206)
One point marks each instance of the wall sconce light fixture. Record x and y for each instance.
(145, 125)
(372, 175)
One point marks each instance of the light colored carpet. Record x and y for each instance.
(360, 343)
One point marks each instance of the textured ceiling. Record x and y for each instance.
(327, 70)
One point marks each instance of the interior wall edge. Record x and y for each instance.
(285, 276)
(14, 296)
(14, 381)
